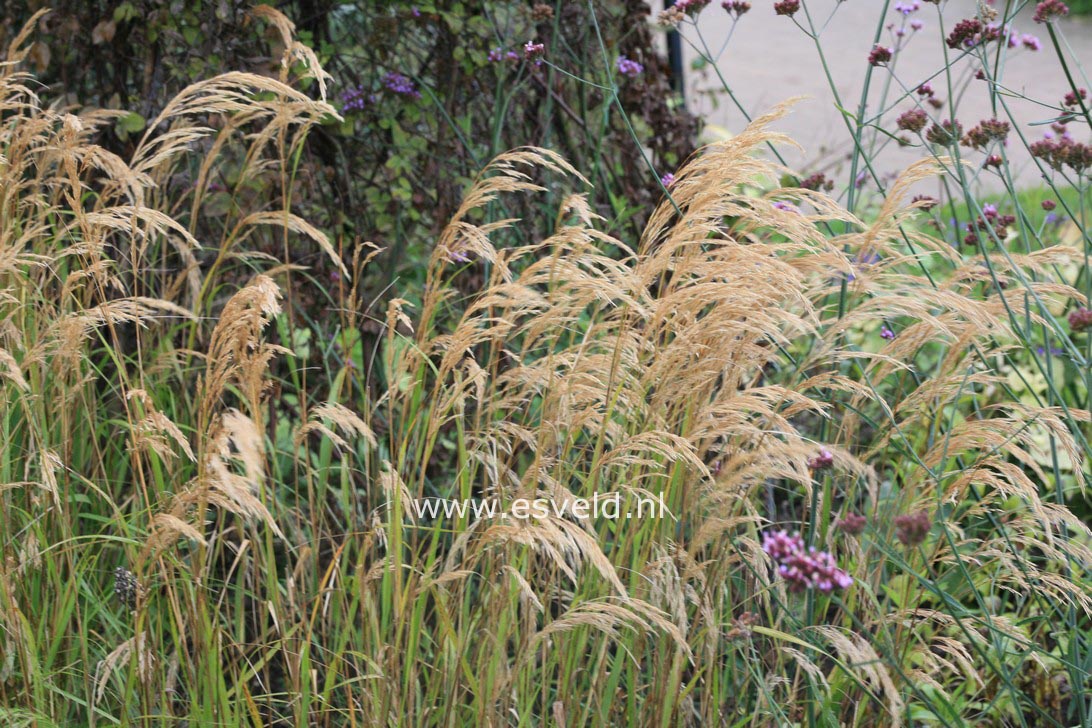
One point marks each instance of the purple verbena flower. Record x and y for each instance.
(1031, 42)
(823, 461)
(736, 7)
(1048, 10)
(1080, 319)
(787, 7)
(629, 68)
(667, 180)
(851, 523)
(912, 529)
(803, 567)
(780, 546)
(965, 33)
(400, 85)
(353, 99)
(880, 55)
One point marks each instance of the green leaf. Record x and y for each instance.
(132, 122)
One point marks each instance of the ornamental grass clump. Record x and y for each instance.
(169, 407)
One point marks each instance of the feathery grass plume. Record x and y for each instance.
(343, 418)
(135, 650)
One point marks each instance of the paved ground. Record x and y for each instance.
(768, 58)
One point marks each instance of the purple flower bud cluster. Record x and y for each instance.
(667, 180)
(680, 10)
(817, 181)
(944, 133)
(354, 99)
(912, 529)
(887, 334)
(907, 8)
(851, 523)
(913, 120)
(787, 7)
(803, 567)
(1075, 98)
(736, 7)
(823, 461)
(531, 51)
(965, 34)
(497, 55)
(1016, 39)
(1048, 10)
(1080, 319)
(925, 202)
(880, 55)
(1063, 151)
(398, 84)
(628, 68)
(988, 130)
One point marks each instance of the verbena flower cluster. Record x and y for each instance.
(736, 7)
(787, 7)
(965, 34)
(925, 202)
(803, 567)
(357, 98)
(851, 523)
(1063, 152)
(913, 528)
(629, 68)
(680, 10)
(913, 120)
(990, 219)
(986, 131)
(1048, 10)
(823, 461)
(400, 85)
(944, 133)
(531, 51)
(1080, 319)
(1075, 98)
(354, 99)
(817, 181)
(880, 55)
(786, 206)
